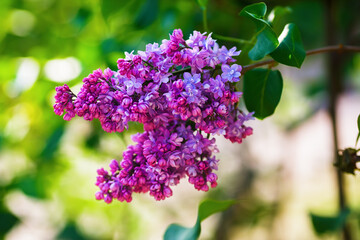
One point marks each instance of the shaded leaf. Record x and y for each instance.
(147, 14)
(81, 18)
(206, 208)
(52, 143)
(262, 91)
(265, 44)
(290, 50)
(8, 220)
(325, 224)
(70, 232)
(266, 37)
(31, 186)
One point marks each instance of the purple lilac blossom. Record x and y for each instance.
(172, 89)
(157, 162)
(231, 74)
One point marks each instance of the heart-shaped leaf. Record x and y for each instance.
(278, 18)
(206, 208)
(266, 37)
(262, 91)
(290, 50)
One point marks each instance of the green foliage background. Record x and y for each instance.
(44, 158)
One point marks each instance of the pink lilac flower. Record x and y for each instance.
(181, 91)
(157, 162)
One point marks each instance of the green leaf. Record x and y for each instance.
(266, 37)
(256, 10)
(206, 208)
(262, 91)
(323, 224)
(210, 207)
(8, 220)
(81, 18)
(265, 44)
(70, 232)
(147, 14)
(290, 50)
(52, 143)
(32, 186)
(203, 3)
(278, 18)
(178, 232)
(358, 125)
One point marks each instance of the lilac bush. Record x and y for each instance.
(183, 92)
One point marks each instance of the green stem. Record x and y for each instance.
(232, 39)
(205, 20)
(181, 70)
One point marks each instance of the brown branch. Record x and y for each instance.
(339, 48)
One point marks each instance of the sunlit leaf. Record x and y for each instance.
(325, 224)
(278, 17)
(262, 91)
(290, 50)
(266, 37)
(210, 207)
(206, 208)
(256, 10)
(147, 14)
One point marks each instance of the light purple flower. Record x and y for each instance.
(231, 74)
(133, 85)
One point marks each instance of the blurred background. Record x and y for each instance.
(280, 175)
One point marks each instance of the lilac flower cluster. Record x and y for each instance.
(160, 158)
(180, 91)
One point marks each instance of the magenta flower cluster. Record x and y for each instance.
(182, 92)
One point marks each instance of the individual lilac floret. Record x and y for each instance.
(231, 74)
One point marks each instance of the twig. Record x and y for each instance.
(232, 39)
(339, 48)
